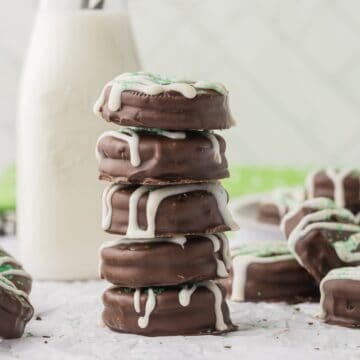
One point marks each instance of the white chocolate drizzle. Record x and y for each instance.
(5, 282)
(254, 253)
(106, 204)
(185, 297)
(314, 204)
(319, 220)
(337, 178)
(128, 135)
(156, 196)
(151, 84)
(349, 250)
(150, 305)
(215, 145)
(132, 137)
(220, 241)
(344, 273)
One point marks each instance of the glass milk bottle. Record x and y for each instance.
(76, 47)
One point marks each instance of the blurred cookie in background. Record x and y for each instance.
(277, 203)
(342, 186)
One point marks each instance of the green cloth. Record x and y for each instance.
(7, 190)
(251, 179)
(243, 180)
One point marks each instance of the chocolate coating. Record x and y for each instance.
(342, 302)
(269, 214)
(193, 212)
(317, 253)
(170, 110)
(283, 280)
(15, 312)
(168, 317)
(324, 187)
(163, 160)
(128, 265)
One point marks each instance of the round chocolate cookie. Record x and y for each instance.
(15, 308)
(277, 203)
(342, 186)
(321, 238)
(150, 101)
(146, 211)
(138, 263)
(188, 310)
(161, 157)
(267, 271)
(340, 297)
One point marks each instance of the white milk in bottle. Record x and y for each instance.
(75, 48)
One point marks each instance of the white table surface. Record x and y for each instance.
(70, 328)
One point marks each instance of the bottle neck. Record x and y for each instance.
(96, 5)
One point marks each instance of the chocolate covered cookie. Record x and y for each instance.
(15, 308)
(161, 157)
(276, 204)
(192, 309)
(340, 297)
(126, 262)
(149, 211)
(343, 186)
(267, 271)
(148, 100)
(316, 232)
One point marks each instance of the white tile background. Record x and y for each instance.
(292, 66)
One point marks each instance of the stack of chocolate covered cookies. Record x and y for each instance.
(165, 205)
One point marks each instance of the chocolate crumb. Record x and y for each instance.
(227, 346)
(38, 318)
(46, 336)
(310, 323)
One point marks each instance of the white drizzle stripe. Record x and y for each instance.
(314, 204)
(5, 282)
(137, 300)
(338, 180)
(146, 83)
(349, 254)
(128, 135)
(317, 220)
(310, 184)
(143, 321)
(185, 295)
(215, 145)
(346, 273)
(106, 204)
(220, 243)
(175, 135)
(185, 298)
(8, 285)
(240, 265)
(156, 196)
